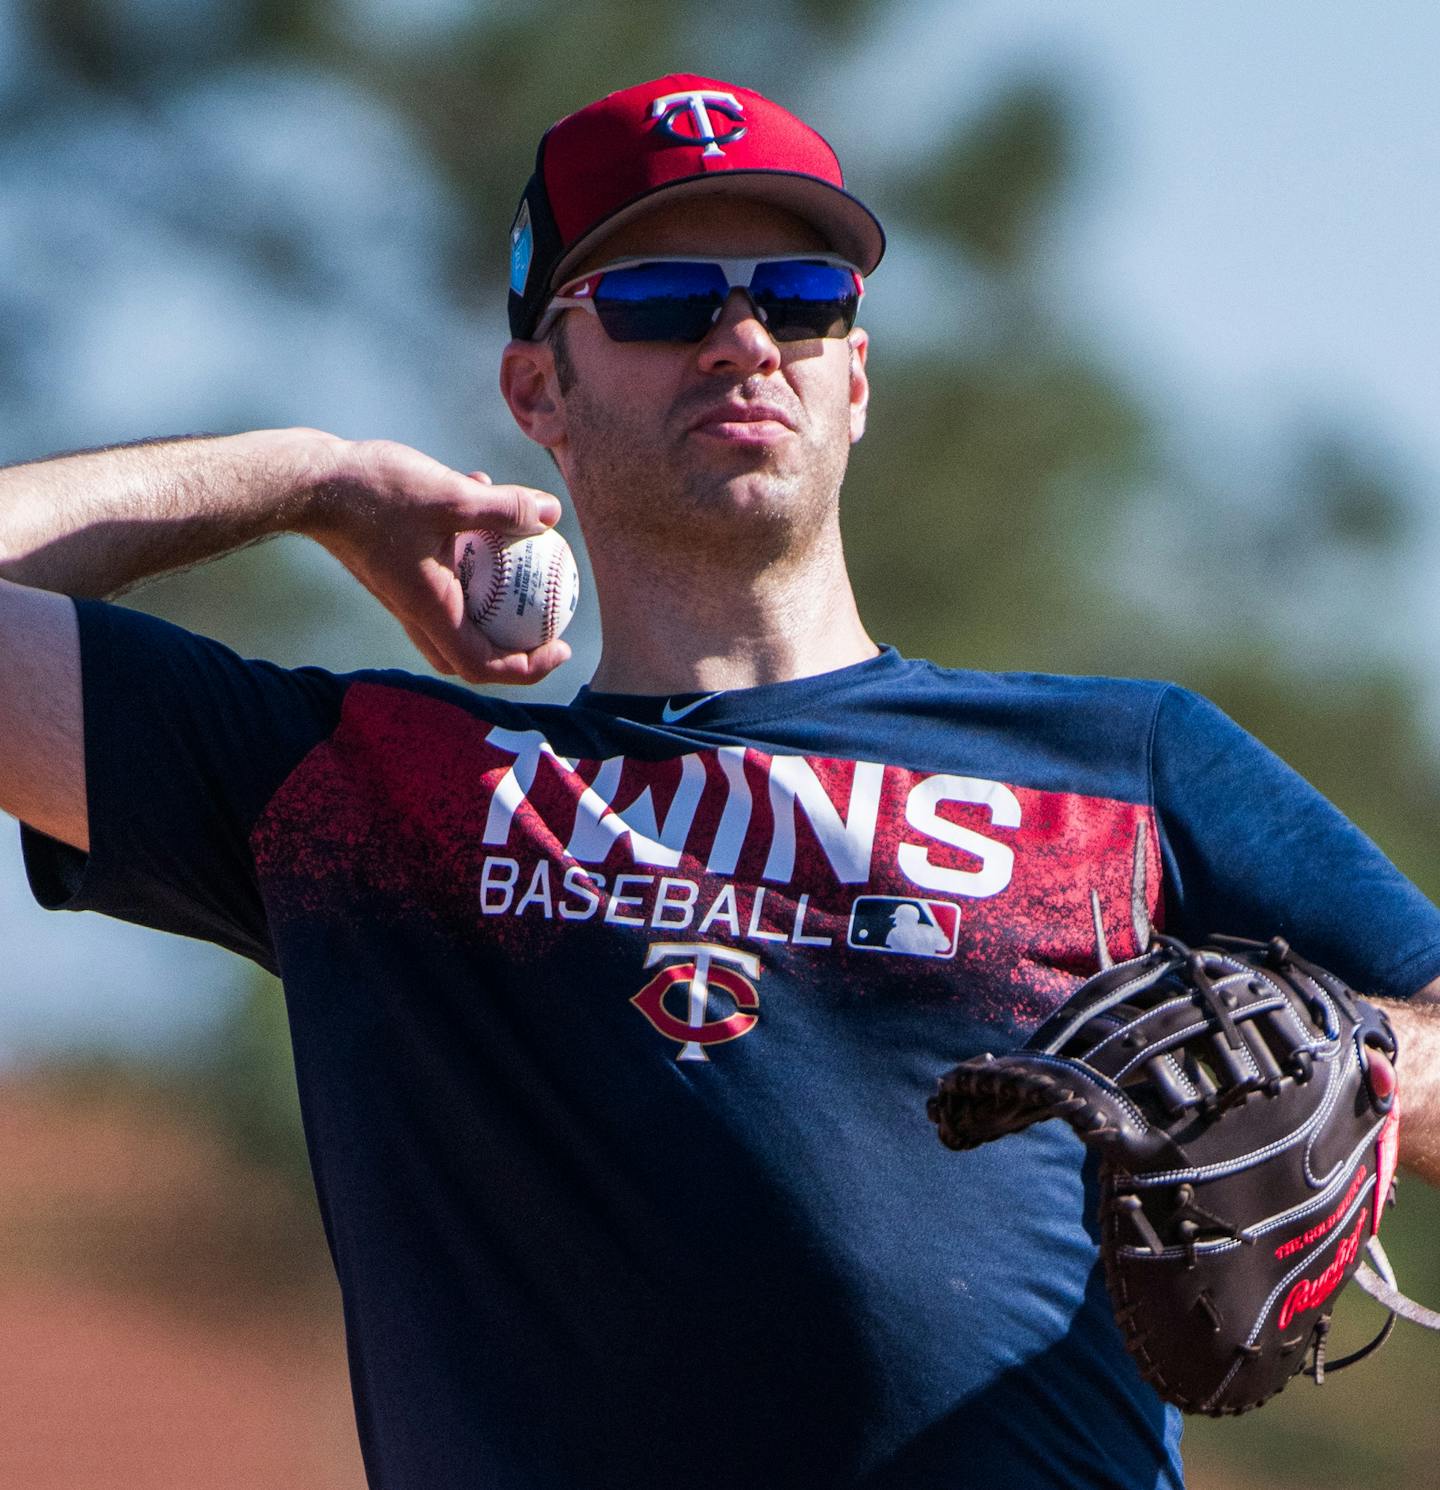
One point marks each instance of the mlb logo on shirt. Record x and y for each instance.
(910, 928)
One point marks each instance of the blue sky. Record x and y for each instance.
(1252, 239)
(1258, 220)
(1254, 236)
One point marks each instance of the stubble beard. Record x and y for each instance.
(649, 485)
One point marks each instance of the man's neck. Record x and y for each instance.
(680, 628)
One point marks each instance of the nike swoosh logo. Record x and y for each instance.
(670, 714)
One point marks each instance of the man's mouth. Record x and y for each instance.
(747, 423)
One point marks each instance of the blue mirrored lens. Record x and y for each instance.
(799, 279)
(660, 302)
(663, 282)
(797, 298)
(802, 299)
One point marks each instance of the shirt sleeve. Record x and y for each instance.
(1252, 849)
(185, 743)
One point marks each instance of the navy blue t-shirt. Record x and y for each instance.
(614, 1025)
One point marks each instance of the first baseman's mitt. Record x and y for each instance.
(1247, 1138)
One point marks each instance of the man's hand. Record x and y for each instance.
(391, 514)
(100, 522)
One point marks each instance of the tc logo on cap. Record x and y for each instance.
(698, 105)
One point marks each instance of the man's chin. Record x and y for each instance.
(760, 489)
(759, 510)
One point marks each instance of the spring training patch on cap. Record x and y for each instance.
(522, 249)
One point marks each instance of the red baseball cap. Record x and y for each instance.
(605, 164)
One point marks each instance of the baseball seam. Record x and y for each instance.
(499, 574)
(553, 574)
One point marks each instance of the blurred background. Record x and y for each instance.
(1156, 393)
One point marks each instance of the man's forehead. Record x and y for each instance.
(720, 225)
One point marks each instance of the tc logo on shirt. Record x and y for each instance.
(700, 971)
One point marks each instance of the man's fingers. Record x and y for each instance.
(441, 607)
(440, 629)
(512, 510)
(464, 652)
(494, 666)
(424, 592)
(400, 476)
(527, 667)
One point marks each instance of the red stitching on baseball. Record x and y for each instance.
(498, 567)
(553, 574)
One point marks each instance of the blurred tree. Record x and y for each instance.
(479, 95)
(991, 186)
(971, 494)
(1016, 503)
(1343, 495)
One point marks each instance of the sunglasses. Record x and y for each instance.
(680, 299)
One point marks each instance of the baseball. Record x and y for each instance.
(519, 593)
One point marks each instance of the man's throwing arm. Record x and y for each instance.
(98, 523)
(42, 756)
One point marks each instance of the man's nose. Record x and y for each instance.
(738, 340)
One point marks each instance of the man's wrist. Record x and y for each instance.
(315, 469)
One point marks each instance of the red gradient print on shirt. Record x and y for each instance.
(415, 810)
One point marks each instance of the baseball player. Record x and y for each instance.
(614, 1022)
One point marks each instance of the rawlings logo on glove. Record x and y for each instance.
(1310, 1293)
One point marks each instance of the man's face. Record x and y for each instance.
(734, 435)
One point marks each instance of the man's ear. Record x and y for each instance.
(859, 382)
(529, 385)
